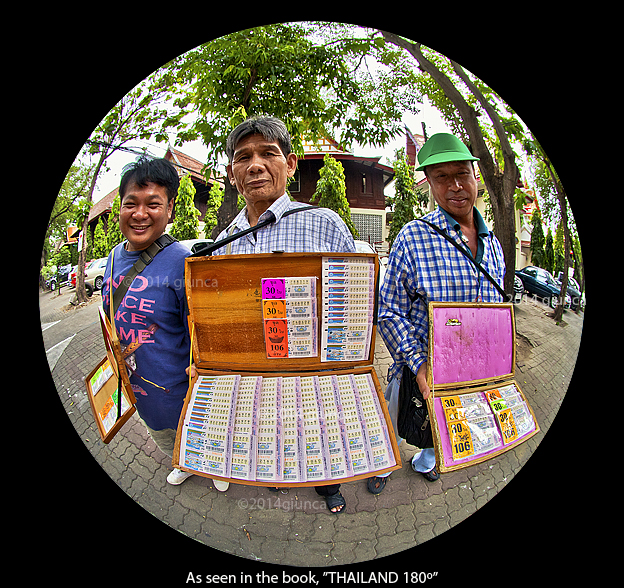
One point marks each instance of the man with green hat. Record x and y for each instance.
(423, 266)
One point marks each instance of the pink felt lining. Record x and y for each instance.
(481, 347)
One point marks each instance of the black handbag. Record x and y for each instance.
(413, 422)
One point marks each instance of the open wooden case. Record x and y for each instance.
(477, 409)
(286, 393)
(108, 386)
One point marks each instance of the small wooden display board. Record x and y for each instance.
(107, 383)
(476, 407)
(286, 393)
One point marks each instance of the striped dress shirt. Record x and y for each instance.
(424, 267)
(314, 230)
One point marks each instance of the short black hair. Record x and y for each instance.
(271, 128)
(145, 170)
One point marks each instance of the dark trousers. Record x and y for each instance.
(327, 490)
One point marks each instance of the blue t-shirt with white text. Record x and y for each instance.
(152, 326)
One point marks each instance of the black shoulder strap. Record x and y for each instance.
(144, 260)
(467, 255)
(208, 249)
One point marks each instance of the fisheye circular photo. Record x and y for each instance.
(311, 295)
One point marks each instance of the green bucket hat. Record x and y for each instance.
(442, 148)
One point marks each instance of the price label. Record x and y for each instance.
(498, 406)
(276, 338)
(461, 440)
(493, 395)
(507, 426)
(273, 288)
(452, 414)
(451, 402)
(274, 309)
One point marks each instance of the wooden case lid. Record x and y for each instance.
(224, 295)
(470, 343)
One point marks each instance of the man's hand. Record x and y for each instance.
(421, 380)
(193, 370)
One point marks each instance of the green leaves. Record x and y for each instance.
(186, 221)
(331, 191)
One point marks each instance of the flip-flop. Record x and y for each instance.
(431, 475)
(335, 500)
(376, 485)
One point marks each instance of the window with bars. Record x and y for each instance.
(369, 226)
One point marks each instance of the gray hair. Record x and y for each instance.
(271, 128)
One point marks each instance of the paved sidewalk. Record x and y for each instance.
(294, 527)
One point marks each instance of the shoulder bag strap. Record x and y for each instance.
(208, 249)
(467, 255)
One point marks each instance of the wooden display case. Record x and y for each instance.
(472, 351)
(235, 306)
(108, 386)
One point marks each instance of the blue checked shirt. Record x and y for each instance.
(317, 229)
(424, 267)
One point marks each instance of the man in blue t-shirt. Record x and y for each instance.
(151, 320)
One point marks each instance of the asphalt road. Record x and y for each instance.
(59, 324)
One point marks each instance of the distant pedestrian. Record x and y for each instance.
(423, 267)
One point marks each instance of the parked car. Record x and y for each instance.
(94, 272)
(72, 276)
(574, 290)
(518, 290)
(539, 282)
(59, 278)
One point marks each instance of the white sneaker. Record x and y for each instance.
(178, 476)
(220, 485)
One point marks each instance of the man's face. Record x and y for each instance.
(454, 187)
(259, 169)
(144, 215)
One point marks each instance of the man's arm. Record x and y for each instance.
(403, 321)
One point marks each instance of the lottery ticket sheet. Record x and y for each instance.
(110, 410)
(348, 294)
(479, 423)
(285, 429)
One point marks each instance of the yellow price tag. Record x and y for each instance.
(274, 309)
(461, 439)
(452, 414)
(507, 426)
(451, 402)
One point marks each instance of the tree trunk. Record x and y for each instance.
(567, 244)
(501, 186)
(81, 292)
(228, 209)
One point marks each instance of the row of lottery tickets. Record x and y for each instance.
(109, 412)
(481, 422)
(285, 429)
(291, 316)
(348, 294)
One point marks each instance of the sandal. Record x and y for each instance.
(431, 475)
(376, 485)
(336, 500)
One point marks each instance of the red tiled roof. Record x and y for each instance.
(186, 163)
(103, 205)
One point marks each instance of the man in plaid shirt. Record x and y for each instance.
(423, 267)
